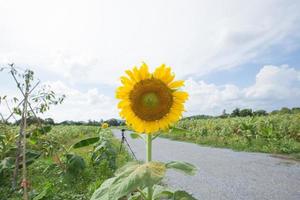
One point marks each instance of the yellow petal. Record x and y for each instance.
(136, 74)
(126, 81)
(144, 72)
(123, 104)
(131, 76)
(181, 95)
(176, 84)
(159, 72)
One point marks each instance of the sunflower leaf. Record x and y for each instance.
(85, 142)
(182, 195)
(102, 192)
(132, 177)
(162, 192)
(181, 166)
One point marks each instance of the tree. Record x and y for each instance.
(274, 112)
(235, 113)
(114, 122)
(295, 110)
(246, 112)
(49, 121)
(260, 113)
(33, 101)
(285, 110)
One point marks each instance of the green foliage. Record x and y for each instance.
(74, 164)
(66, 173)
(86, 142)
(273, 133)
(129, 178)
(6, 164)
(181, 166)
(104, 151)
(133, 179)
(7, 139)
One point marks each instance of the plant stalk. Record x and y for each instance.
(149, 159)
(23, 129)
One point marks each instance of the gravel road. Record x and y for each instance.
(225, 174)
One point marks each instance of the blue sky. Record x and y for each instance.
(233, 54)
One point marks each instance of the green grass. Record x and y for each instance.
(238, 143)
(50, 181)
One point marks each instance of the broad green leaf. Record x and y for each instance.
(132, 176)
(7, 163)
(75, 164)
(181, 166)
(102, 192)
(31, 156)
(41, 195)
(128, 167)
(162, 192)
(182, 195)
(142, 175)
(86, 142)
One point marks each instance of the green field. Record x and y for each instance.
(63, 171)
(271, 134)
(55, 176)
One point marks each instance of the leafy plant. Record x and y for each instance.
(133, 179)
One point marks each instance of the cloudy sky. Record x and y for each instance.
(231, 53)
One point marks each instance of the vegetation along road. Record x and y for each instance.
(225, 174)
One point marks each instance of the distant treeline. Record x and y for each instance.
(117, 122)
(248, 112)
(49, 121)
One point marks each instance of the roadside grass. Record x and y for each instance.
(289, 148)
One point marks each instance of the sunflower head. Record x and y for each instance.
(150, 102)
(104, 125)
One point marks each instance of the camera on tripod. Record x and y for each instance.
(124, 141)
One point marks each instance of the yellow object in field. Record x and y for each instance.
(104, 125)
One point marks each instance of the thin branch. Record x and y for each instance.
(8, 107)
(39, 122)
(34, 87)
(2, 117)
(16, 80)
(12, 112)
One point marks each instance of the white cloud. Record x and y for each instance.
(274, 82)
(94, 41)
(80, 105)
(274, 86)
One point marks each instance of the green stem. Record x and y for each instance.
(149, 158)
(149, 147)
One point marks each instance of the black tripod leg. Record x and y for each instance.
(130, 148)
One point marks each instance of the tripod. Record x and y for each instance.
(124, 141)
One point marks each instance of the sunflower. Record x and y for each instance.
(150, 102)
(104, 125)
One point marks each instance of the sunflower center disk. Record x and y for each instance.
(151, 99)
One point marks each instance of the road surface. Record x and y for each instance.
(223, 173)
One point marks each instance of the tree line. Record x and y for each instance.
(237, 112)
(31, 120)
